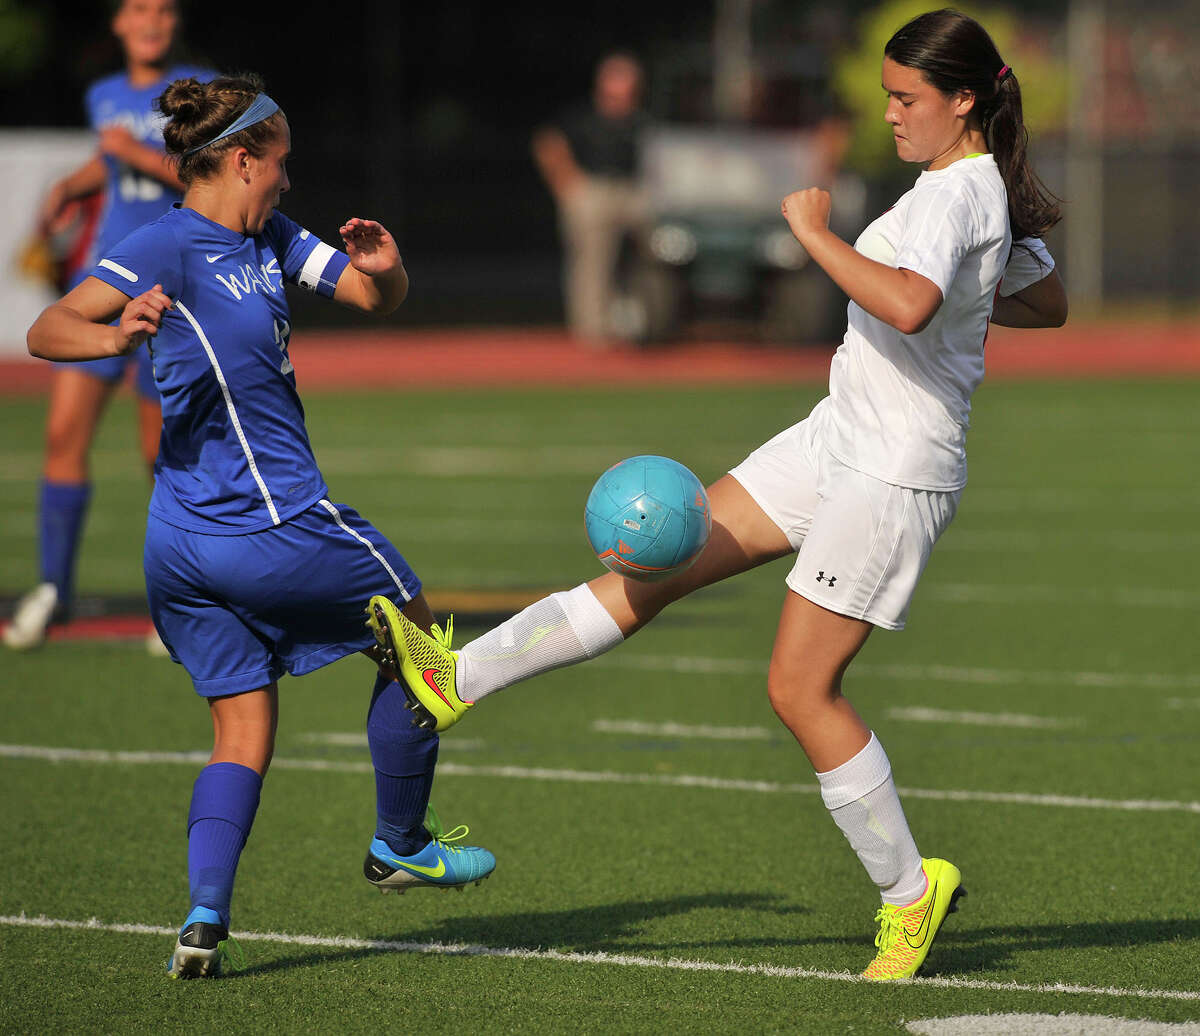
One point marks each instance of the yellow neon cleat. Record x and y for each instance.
(423, 661)
(907, 932)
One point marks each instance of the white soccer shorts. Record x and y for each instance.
(862, 543)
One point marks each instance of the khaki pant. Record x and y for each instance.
(593, 218)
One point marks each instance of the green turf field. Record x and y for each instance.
(664, 860)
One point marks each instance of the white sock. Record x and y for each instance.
(861, 797)
(562, 629)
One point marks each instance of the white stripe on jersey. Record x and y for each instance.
(337, 517)
(119, 270)
(237, 424)
(310, 275)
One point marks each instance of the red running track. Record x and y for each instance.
(539, 356)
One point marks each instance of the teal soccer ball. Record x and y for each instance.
(648, 518)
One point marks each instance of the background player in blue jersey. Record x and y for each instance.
(139, 184)
(251, 570)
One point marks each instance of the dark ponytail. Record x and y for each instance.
(955, 53)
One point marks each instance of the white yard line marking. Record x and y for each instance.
(700, 664)
(923, 714)
(911, 714)
(355, 740)
(972, 540)
(986, 498)
(682, 730)
(342, 942)
(103, 757)
(1122, 596)
(1047, 1025)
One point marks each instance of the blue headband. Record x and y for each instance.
(261, 108)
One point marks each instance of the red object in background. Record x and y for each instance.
(73, 236)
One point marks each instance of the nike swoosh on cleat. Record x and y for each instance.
(432, 684)
(433, 872)
(922, 932)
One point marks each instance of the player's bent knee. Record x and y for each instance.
(795, 693)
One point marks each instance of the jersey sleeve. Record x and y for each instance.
(148, 256)
(940, 228)
(305, 260)
(91, 98)
(1029, 263)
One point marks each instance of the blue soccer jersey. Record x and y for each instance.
(132, 197)
(234, 455)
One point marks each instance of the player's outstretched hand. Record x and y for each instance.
(807, 211)
(372, 250)
(141, 318)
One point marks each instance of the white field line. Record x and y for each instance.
(351, 739)
(1026, 1024)
(682, 730)
(999, 500)
(1119, 596)
(20, 525)
(97, 756)
(924, 714)
(912, 714)
(972, 540)
(342, 942)
(705, 665)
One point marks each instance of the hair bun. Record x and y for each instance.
(182, 100)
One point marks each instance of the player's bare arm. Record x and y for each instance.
(375, 281)
(903, 299)
(85, 180)
(122, 145)
(77, 327)
(1043, 304)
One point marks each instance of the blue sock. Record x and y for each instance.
(404, 757)
(224, 801)
(61, 511)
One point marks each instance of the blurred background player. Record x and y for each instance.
(861, 490)
(589, 159)
(251, 571)
(139, 184)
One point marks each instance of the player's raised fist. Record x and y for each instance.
(807, 211)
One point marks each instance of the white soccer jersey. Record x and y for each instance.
(899, 404)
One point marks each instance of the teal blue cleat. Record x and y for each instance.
(440, 865)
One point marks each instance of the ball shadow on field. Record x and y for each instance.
(612, 928)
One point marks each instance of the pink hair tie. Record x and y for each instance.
(1002, 74)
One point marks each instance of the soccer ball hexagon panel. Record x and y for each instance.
(648, 518)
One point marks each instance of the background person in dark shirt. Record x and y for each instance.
(588, 159)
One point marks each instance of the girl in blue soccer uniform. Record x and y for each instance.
(139, 184)
(251, 570)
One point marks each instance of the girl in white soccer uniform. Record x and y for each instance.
(864, 486)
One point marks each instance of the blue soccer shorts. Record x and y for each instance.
(111, 370)
(240, 611)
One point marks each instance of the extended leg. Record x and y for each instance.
(567, 627)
